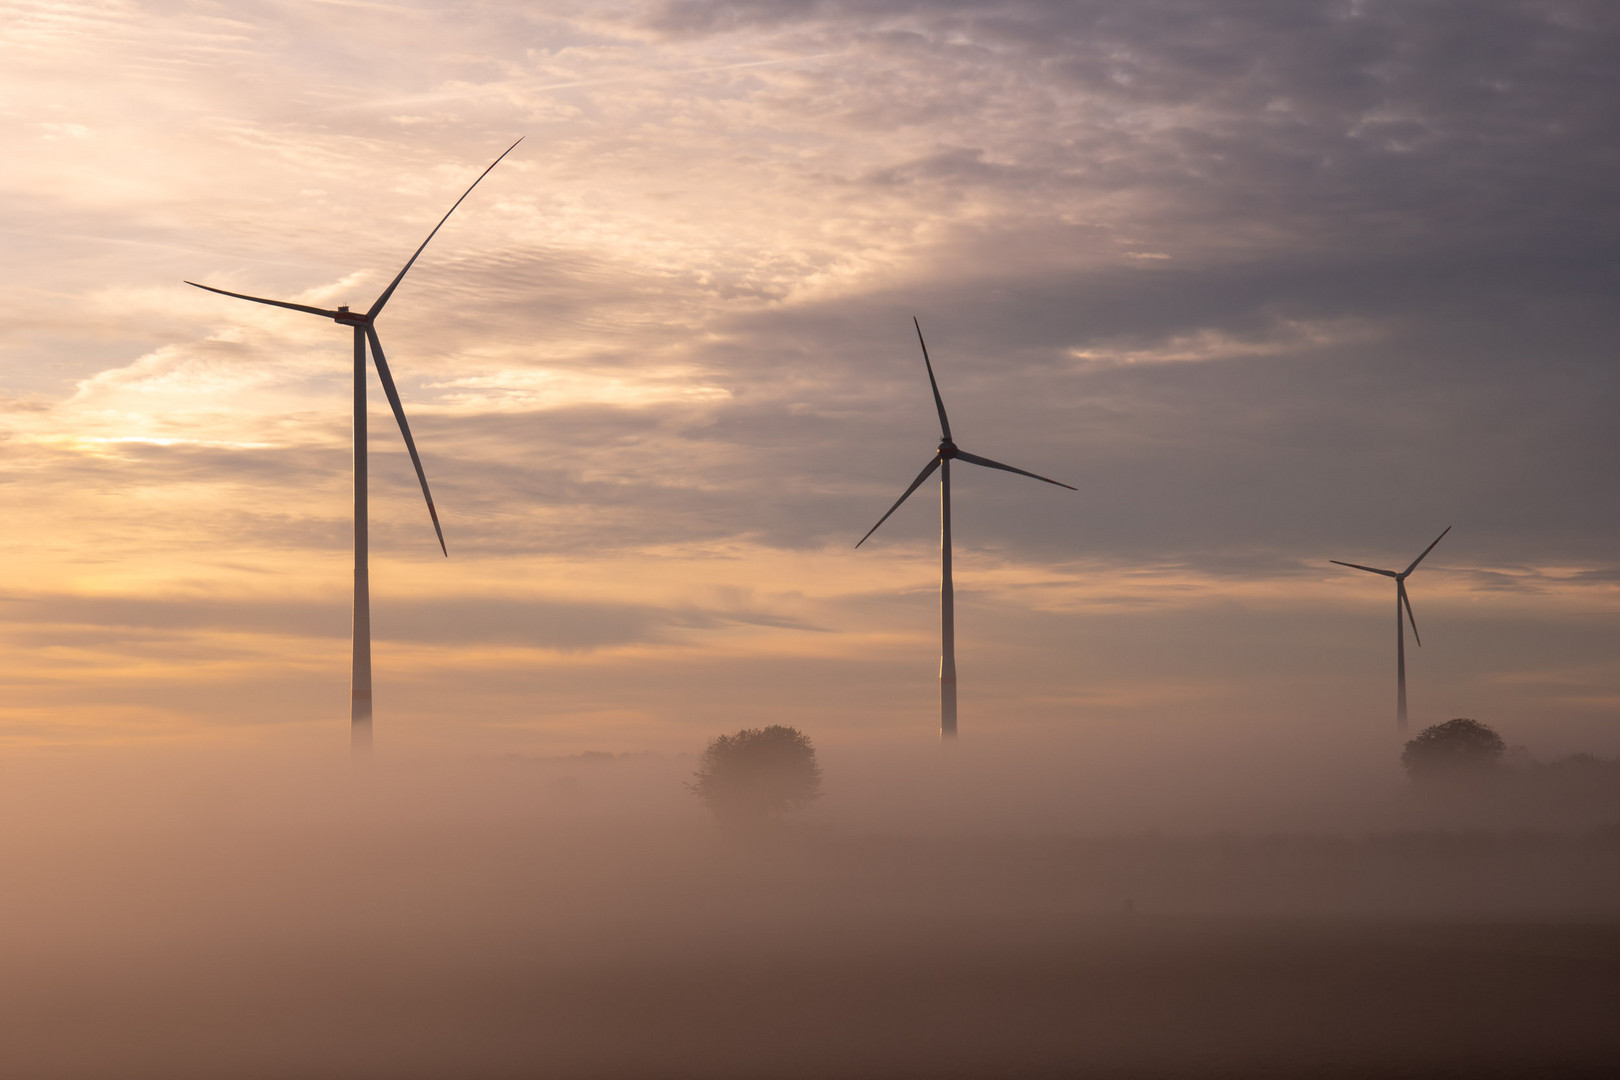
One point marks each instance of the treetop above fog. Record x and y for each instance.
(757, 773)
(1456, 745)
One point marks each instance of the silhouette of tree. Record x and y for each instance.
(757, 774)
(1456, 747)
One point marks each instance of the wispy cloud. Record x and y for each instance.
(1266, 282)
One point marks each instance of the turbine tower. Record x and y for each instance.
(947, 451)
(1401, 600)
(365, 331)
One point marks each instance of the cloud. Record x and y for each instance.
(1268, 282)
(535, 623)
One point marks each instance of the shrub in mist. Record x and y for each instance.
(757, 775)
(1460, 747)
(1580, 788)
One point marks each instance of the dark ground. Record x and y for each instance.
(641, 950)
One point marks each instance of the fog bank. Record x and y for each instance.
(192, 915)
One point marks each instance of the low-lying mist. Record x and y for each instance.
(970, 910)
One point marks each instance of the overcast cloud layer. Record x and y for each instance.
(1269, 283)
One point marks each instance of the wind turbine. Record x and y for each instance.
(1401, 600)
(948, 450)
(365, 330)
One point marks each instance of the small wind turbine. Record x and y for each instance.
(1401, 600)
(365, 330)
(941, 460)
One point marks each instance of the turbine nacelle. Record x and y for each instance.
(948, 450)
(944, 453)
(1403, 604)
(366, 334)
(366, 340)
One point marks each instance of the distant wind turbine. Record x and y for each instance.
(1401, 600)
(365, 330)
(947, 604)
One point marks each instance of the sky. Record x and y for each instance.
(1270, 283)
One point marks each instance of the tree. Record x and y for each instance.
(1456, 747)
(757, 774)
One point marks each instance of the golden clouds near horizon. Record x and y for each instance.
(660, 368)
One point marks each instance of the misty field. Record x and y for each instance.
(405, 933)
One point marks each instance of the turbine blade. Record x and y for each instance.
(1407, 600)
(1369, 569)
(928, 471)
(262, 300)
(939, 403)
(1426, 551)
(376, 308)
(963, 455)
(387, 380)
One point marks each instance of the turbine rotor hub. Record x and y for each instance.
(947, 449)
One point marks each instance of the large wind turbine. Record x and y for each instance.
(365, 330)
(941, 460)
(1401, 600)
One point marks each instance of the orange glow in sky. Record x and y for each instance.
(660, 369)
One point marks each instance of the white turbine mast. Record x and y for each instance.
(1401, 600)
(365, 331)
(943, 456)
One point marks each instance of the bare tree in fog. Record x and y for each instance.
(1455, 748)
(757, 774)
